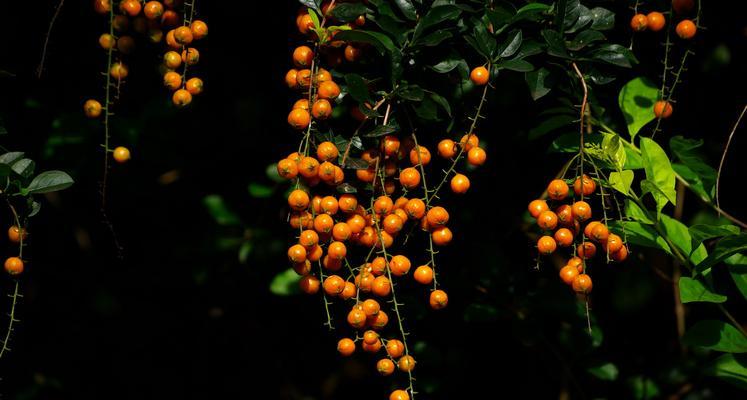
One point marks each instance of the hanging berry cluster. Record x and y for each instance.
(131, 19)
(355, 202)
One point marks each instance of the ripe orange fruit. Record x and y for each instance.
(308, 167)
(346, 347)
(341, 231)
(546, 245)
(383, 205)
(322, 75)
(308, 238)
(479, 76)
(395, 348)
(119, 71)
(92, 108)
(371, 348)
(438, 299)
(191, 56)
(537, 207)
(169, 18)
(447, 148)
(686, 29)
(459, 184)
(380, 321)
(352, 53)
(327, 151)
(328, 90)
(565, 215)
(15, 234)
(423, 274)
(303, 56)
(297, 253)
(390, 147)
(577, 263)
(348, 203)
(600, 233)
(639, 22)
(153, 10)
(183, 35)
(291, 78)
(476, 156)
(194, 86)
(309, 284)
(14, 266)
(381, 286)
(587, 250)
(547, 220)
(321, 109)
(181, 98)
(371, 337)
(298, 200)
(399, 395)
(107, 41)
(199, 29)
(349, 291)
(409, 178)
(299, 119)
(557, 189)
(393, 223)
(102, 6)
(420, 155)
(172, 60)
(399, 265)
(371, 307)
(564, 237)
(582, 284)
(357, 318)
(620, 255)
(589, 229)
(302, 268)
(581, 211)
(172, 80)
(323, 223)
(131, 7)
(406, 363)
(337, 250)
(614, 243)
(655, 21)
(469, 141)
(663, 109)
(385, 366)
(568, 274)
(437, 216)
(589, 186)
(415, 208)
(121, 154)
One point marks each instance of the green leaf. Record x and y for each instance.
(411, 93)
(259, 191)
(347, 12)
(614, 54)
(435, 16)
(49, 181)
(700, 173)
(529, 11)
(555, 43)
(677, 233)
(24, 167)
(540, 82)
(584, 38)
(724, 248)
(512, 44)
(380, 41)
(603, 18)
(357, 87)
(642, 235)
(516, 65)
(692, 290)
(447, 65)
(219, 211)
(635, 213)
(394, 27)
(313, 4)
(696, 183)
(407, 8)
(11, 157)
(285, 283)
(435, 38)
(636, 101)
(716, 335)
(485, 41)
(659, 172)
(738, 270)
(731, 368)
(613, 150)
(381, 130)
(643, 388)
(621, 181)
(702, 232)
(551, 124)
(441, 102)
(605, 372)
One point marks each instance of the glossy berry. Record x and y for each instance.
(663, 109)
(557, 189)
(568, 274)
(588, 186)
(346, 347)
(546, 245)
(537, 207)
(479, 76)
(121, 154)
(423, 275)
(656, 21)
(438, 299)
(92, 108)
(582, 284)
(399, 395)
(639, 22)
(686, 29)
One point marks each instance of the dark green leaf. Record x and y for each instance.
(605, 372)
(49, 181)
(738, 270)
(511, 45)
(555, 43)
(381, 130)
(485, 40)
(703, 232)
(411, 93)
(530, 11)
(731, 368)
(441, 102)
(551, 124)
(724, 248)
(24, 167)
(357, 87)
(516, 65)
(447, 65)
(604, 19)
(435, 16)
(614, 54)
(219, 211)
(285, 283)
(355, 163)
(540, 82)
(346, 188)
(11, 157)
(716, 335)
(260, 191)
(394, 28)
(347, 12)
(427, 110)
(380, 41)
(313, 4)
(642, 235)
(435, 38)
(529, 47)
(692, 290)
(584, 38)
(583, 19)
(636, 101)
(407, 8)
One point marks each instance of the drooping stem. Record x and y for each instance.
(723, 156)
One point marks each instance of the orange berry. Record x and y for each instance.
(172, 80)
(341, 231)
(600, 233)
(304, 23)
(613, 244)
(371, 348)
(291, 78)
(469, 141)
(130, 7)
(406, 363)
(357, 318)
(568, 274)
(546, 245)
(383, 205)
(399, 265)
(349, 291)
(415, 208)
(447, 148)
(557, 189)
(371, 307)
(564, 237)
(346, 347)
(399, 395)
(582, 284)
(656, 21)
(381, 286)
(686, 29)
(663, 109)
(309, 284)
(479, 76)
(587, 250)
(107, 41)
(589, 229)
(308, 238)
(328, 90)
(199, 29)
(121, 154)
(581, 211)
(297, 253)
(102, 6)
(15, 234)
(119, 71)
(438, 299)
(321, 109)
(299, 119)
(352, 53)
(308, 167)
(323, 223)
(460, 184)
(385, 366)
(393, 224)
(183, 35)
(194, 86)
(14, 266)
(298, 200)
(420, 155)
(577, 263)
(423, 274)
(181, 98)
(190, 56)
(409, 178)
(437, 216)
(337, 250)
(565, 215)
(379, 321)
(589, 186)
(547, 220)
(92, 108)
(371, 337)
(395, 348)
(639, 22)
(537, 207)
(620, 255)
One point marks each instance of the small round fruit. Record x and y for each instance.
(172, 60)
(537, 207)
(399, 394)
(299, 119)
(420, 155)
(131, 7)
(381, 286)
(469, 141)
(639, 22)
(121, 154)
(620, 255)
(406, 363)
(153, 10)
(181, 98)
(557, 189)
(352, 53)
(568, 274)
(409, 178)
(564, 237)
(460, 184)
(371, 307)
(328, 90)
(107, 41)
(297, 254)
(656, 21)
(199, 29)
(438, 299)
(119, 71)
(385, 366)
(298, 200)
(437, 216)
(476, 156)
(395, 348)
(686, 29)
(589, 186)
(322, 109)
(15, 234)
(183, 35)
(447, 148)
(600, 233)
(399, 265)
(194, 86)
(581, 211)
(309, 284)
(291, 78)
(547, 220)
(479, 76)
(172, 80)
(663, 109)
(356, 318)
(586, 250)
(92, 108)
(423, 275)
(415, 208)
(614, 243)
(191, 56)
(546, 245)
(582, 284)
(346, 347)
(14, 266)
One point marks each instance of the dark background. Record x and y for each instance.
(169, 312)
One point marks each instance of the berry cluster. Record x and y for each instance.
(14, 265)
(565, 222)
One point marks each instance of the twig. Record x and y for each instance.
(40, 69)
(723, 156)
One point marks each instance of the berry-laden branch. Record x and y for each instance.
(14, 266)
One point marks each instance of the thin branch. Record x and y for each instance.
(40, 69)
(723, 156)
